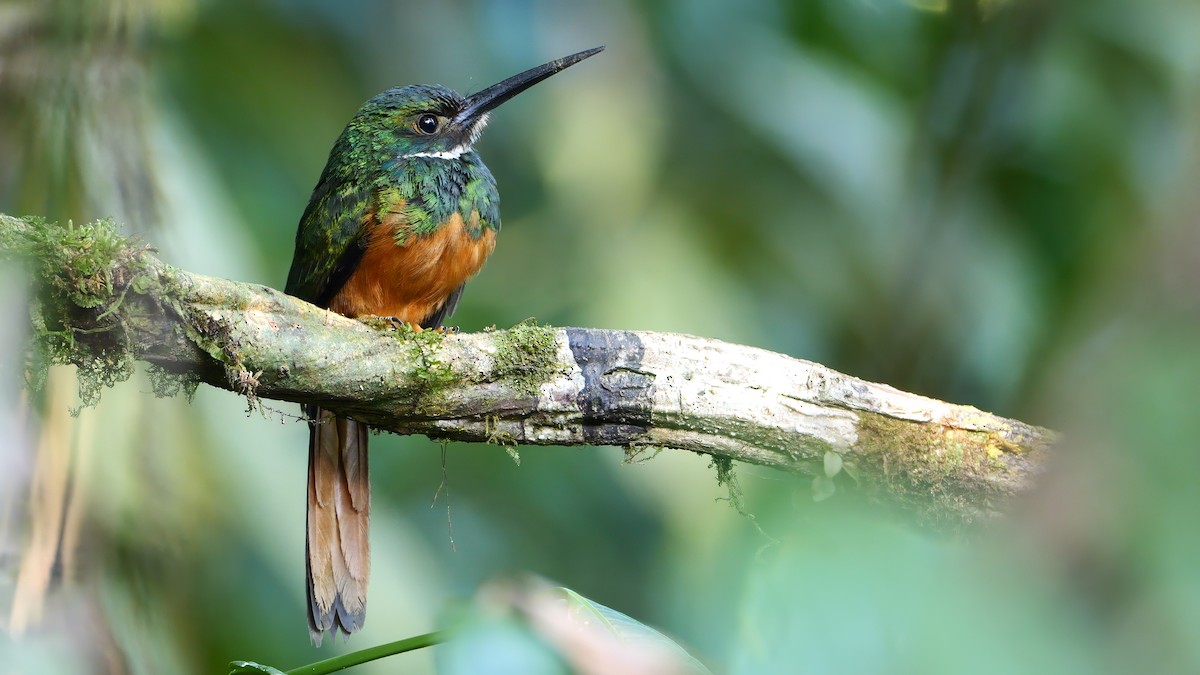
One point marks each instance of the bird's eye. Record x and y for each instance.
(427, 123)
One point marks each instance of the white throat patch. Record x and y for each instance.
(453, 153)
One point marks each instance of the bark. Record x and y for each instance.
(526, 385)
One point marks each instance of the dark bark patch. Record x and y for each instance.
(618, 394)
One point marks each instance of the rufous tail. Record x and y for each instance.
(339, 510)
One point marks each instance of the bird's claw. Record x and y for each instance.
(400, 324)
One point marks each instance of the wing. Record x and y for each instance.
(329, 240)
(439, 317)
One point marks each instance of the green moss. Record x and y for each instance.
(430, 373)
(728, 479)
(82, 275)
(498, 436)
(167, 384)
(212, 337)
(527, 356)
(940, 473)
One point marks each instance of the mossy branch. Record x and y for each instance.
(105, 301)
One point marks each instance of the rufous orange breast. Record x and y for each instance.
(408, 275)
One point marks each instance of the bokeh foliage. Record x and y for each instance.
(989, 202)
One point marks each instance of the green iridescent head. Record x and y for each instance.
(433, 121)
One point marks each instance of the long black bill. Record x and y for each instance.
(480, 103)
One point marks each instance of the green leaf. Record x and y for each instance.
(624, 628)
(851, 471)
(241, 667)
(345, 660)
(833, 463)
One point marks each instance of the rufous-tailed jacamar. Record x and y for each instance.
(403, 215)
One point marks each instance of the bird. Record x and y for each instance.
(403, 214)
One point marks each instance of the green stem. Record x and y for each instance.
(370, 654)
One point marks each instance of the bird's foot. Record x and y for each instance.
(402, 325)
(379, 322)
(440, 330)
(398, 324)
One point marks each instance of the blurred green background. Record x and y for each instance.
(992, 202)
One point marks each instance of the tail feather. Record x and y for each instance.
(338, 553)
